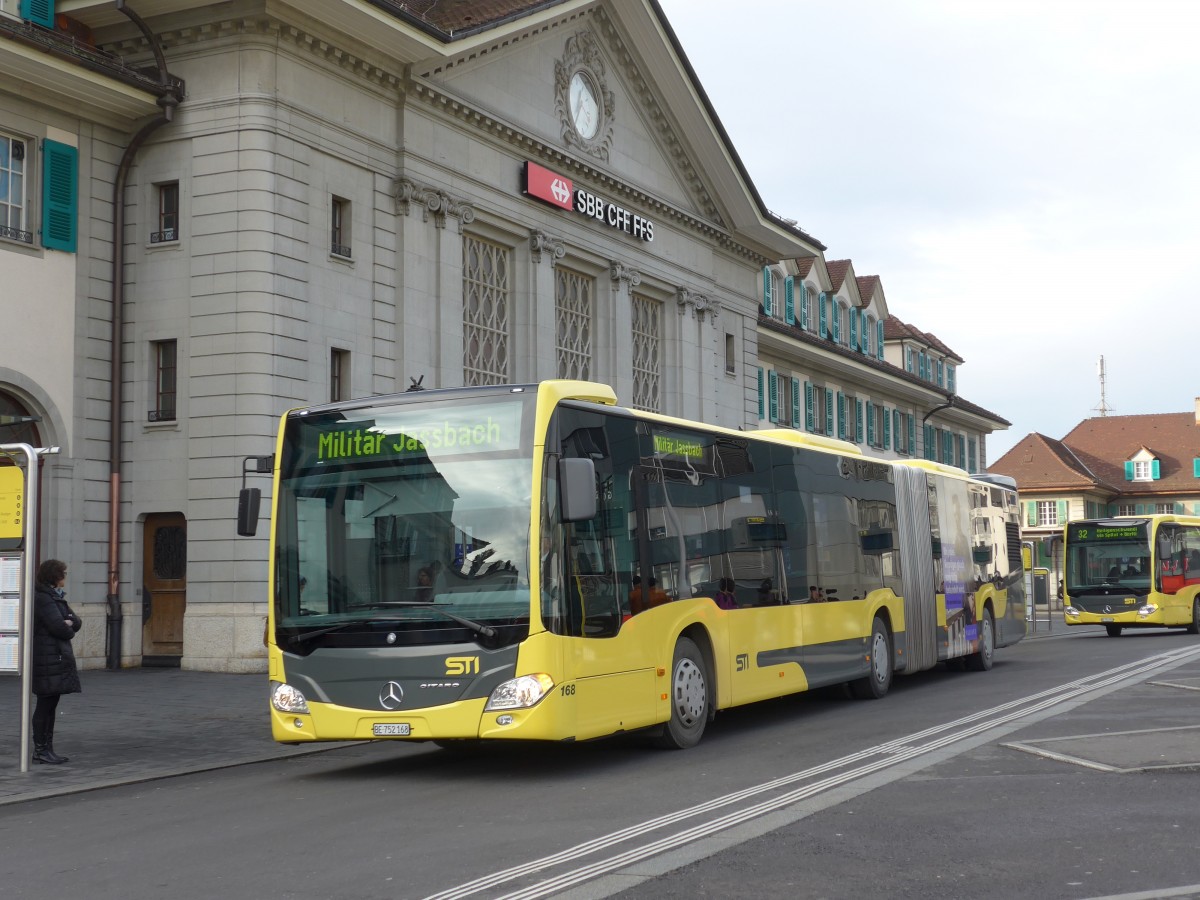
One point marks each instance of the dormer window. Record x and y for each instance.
(1142, 467)
(1141, 470)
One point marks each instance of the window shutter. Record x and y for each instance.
(870, 424)
(60, 176)
(1155, 470)
(773, 382)
(941, 368)
(912, 433)
(835, 310)
(1030, 512)
(887, 429)
(822, 317)
(828, 414)
(854, 327)
(808, 406)
(39, 12)
(1129, 470)
(803, 306)
(841, 415)
(908, 356)
(789, 300)
(795, 402)
(971, 455)
(950, 378)
(947, 448)
(879, 340)
(1139, 509)
(1196, 467)
(927, 439)
(858, 421)
(760, 392)
(1178, 508)
(1062, 511)
(767, 298)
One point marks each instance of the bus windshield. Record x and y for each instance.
(410, 519)
(1100, 555)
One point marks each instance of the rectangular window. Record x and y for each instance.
(487, 299)
(1047, 512)
(880, 415)
(574, 314)
(1126, 509)
(647, 356)
(821, 409)
(14, 196)
(339, 375)
(851, 420)
(785, 399)
(339, 231)
(1164, 509)
(168, 213)
(730, 355)
(164, 381)
(1142, 470)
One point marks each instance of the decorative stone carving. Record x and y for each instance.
(623, 273)
(434, 202)
(698, 303)
(539, 241)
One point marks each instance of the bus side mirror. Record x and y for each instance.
(248, 500)
(577, 489)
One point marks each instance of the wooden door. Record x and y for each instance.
(164, 588)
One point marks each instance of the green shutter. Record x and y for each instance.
(836, 312)
(809, 422)
(789, 300)
(828, 415)
(1062, 511)
(887, 429)
(773, 381)
(912, 433)
(39, 12)
(767, 298)
(971, 455)
(841, 415)
(1129, 470)
(1030, 512)
(858, 421)
(760, 392)
(822, 316)
(1155, 470)
(804, 306)
(854, 327)
(1196, 467)
(795, 402)
(60, 177)
(879, 340)
(1178, 508)
(870, 424)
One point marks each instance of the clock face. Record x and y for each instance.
(585, 110)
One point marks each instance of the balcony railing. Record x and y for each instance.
(160, 415)
(163, 237)
(340, 250)
(16, 234)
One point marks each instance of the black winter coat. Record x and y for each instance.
(54, 669)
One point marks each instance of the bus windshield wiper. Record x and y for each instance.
(478, 628)
(316, 633)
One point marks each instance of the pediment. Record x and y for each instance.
(539, 84)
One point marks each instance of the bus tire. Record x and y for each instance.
(981, 660)
(1113, 630)
(1194, 628)
(875, 684)
(689, 698)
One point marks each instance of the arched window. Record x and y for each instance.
(15, 427)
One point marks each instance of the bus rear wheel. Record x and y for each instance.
(689, 698)
(1113, 630)
(981, 661)
(876, 683)
(1194, 628)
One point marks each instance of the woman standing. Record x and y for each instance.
(54, 670)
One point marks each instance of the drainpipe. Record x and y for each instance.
(167, 102)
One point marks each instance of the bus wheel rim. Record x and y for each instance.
(689, 691)
(879, 657)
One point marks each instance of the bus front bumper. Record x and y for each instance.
(1148, 614)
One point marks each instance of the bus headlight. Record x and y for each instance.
(1148, 610)
(287, 699)
(528, 690)
(1070, 611)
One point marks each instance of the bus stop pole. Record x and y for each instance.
(29, 506)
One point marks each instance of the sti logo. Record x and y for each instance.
(555, 189)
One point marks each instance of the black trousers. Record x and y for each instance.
(43, 716)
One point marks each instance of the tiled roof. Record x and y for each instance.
(804, 265)
(896, 330)
(1100, 447)
(451, 18)
(867, 285)
(837, 269)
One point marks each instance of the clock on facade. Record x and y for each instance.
(583, 106)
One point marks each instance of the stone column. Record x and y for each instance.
(545, 251)
(617, 334)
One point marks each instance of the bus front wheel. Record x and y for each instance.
(1113, 630)
(876, 683)
(981, 661)
(1194, 628)
(689, 698)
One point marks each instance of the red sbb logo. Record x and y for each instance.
(556, 189)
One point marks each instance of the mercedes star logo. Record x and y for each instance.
(391, 696)
(1108, 609)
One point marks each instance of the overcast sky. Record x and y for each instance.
(1024, 177)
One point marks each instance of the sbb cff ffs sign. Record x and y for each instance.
(560, 191)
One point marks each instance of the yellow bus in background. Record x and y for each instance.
(1133, 572)
(534, 562)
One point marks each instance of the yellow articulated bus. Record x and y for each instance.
(1133, 572)
(536, 563)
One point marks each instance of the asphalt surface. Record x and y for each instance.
(137, 725)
